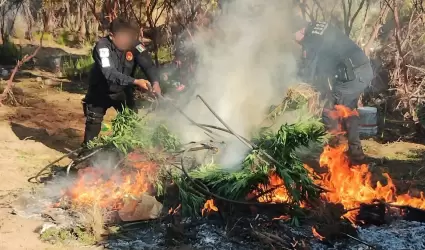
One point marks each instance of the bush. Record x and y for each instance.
(165, 54)
(64, 39)
(46, 36)
(80, 67)
(9, 53)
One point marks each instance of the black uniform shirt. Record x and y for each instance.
(326, 47)
(113, 69)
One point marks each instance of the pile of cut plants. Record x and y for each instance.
(140, 186)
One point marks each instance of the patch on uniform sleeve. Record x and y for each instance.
(105, 62)
(140, 48)
(129, 56)
(104, 52)
(320, 28)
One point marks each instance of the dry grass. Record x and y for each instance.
(300, 100)
(93, 220)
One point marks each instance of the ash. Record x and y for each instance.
(399, 235)
(199, 235)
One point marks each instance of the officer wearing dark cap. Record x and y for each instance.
(339, 69)
(111, 81)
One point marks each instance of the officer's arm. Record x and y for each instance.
(102, 58)
(144, 61)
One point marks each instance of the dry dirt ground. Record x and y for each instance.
(50, 119)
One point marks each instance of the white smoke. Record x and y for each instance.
(246, 61)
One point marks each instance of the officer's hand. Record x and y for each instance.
(142, 83)
(156, 88)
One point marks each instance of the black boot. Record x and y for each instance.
(356, 155)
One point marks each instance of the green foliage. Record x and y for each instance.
(9, 53)
(282, 147)
(165, 54)
(46, 37)
(163, 138)
(64, 39)
(79, 67)
(256, 167)
(191, 200)
(233, 185)
(129, 131)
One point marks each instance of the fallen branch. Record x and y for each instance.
(246, 142)
(51, 164)
(359, 241)
(8, 89)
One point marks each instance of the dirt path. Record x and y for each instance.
(31, 136)
(51, 120)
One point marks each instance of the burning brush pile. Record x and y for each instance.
(272, 199)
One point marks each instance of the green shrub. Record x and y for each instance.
(46, 37)
(77, 68)
(165, 54)
(9, 53)
(63, 38)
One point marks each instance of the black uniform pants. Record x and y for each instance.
(347, 94)
(95, 110)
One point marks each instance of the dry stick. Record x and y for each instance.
(359, 240)
(52, 163)
(8, 89)
(181, 112)
(249, 145)
(79, 160)
(422, 82)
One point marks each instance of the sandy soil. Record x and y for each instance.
(31, 135)
(49, 120)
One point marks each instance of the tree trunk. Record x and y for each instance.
(378, 24)
(83, 30)
(403, 81)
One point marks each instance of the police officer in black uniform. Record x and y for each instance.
(339, 69)
(111, 78)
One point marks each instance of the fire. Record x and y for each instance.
(278, 192)
(352, 185)
(173, 211)
(283, 218)
(110, 189)
(209, 206)
(341, 111)
(316, 234)
(347, 184)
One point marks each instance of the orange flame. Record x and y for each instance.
(110, 189)
(352, 185)
(349, 185)
(283, 218)
(209, 206)
(173, 211)
(278, 193)
(316, 234)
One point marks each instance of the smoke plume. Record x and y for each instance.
(246, 62)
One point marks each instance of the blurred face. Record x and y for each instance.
(124, 40)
